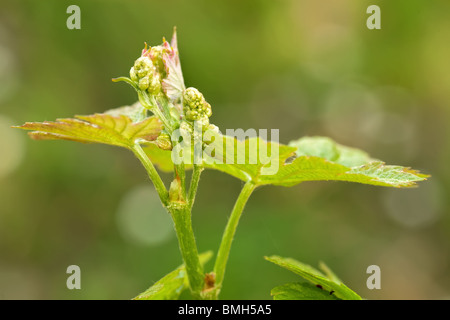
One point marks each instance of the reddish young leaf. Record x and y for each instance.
(117, 130)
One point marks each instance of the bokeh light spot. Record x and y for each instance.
(413, 208)
(141, 218)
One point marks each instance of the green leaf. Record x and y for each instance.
(307, 168)
(321, 158)
(240, 159)
(171, 285)
(135, 112)
(306, 159)
(330, 284)
(167, 288)
(115, 127)
(326, 148)
(251, 159)
(237, 158)
(301, 291)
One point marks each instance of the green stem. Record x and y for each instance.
(180, 172)
(152, 173)
(181, 215)
(151, 104)
(197, 171)
(165, 108)
(230, 230)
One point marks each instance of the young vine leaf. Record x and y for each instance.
(306, 159)
(301, 291)
(114, 127)
(172, 285)
(327, 282)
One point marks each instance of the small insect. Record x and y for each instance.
(319, 286)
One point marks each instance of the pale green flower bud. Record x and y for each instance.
(207, 109)
(160, 68)
(203, 122)
(192, 97)
(175, 191)
(195, 106)
(144, 83)
(156, 54)
(133, 75)
(186, 128)
(146, 74)
(192, 115)
(214, 128)
(164, 142)
(143, 66)
(155, 84)
(142, 72)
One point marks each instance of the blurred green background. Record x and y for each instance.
(304, 67)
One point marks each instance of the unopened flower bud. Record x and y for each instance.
(146, 74)
(175, 191)
(144, 83)
(192, 97)
(195, 106)
(143, 66)
(164, 142)
(214, 128)
(156, 54)
(192, 114)
(207, 109)
(202, 123)
(133, 75)
(186, 129)
(155, 84)
(160, 65)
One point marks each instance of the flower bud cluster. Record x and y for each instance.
(157, 72)
(195, 107)
(196, 114)
(149, 70)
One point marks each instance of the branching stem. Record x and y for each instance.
(228, 235)
(197, 171)
(152, 173)
(181, 215)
